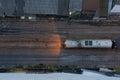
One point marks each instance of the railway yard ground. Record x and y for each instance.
(41, 42)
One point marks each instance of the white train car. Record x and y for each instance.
(89, 43)
(96, 43)
(71, 44)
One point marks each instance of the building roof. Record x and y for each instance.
(22, 7)
(90, 5)
(7, 7)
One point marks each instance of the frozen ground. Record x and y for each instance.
(87, 75)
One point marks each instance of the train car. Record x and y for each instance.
(89, 43)
(71, 44)
(96, 43)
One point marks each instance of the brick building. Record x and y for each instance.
(100, 8)
(89, 6)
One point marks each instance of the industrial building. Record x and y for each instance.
(25, 7)
(52, 7)
(100, 8)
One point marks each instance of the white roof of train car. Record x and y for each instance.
(71, 43)
(89, 43)
(96, 43)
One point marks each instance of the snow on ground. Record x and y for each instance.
(87, 75)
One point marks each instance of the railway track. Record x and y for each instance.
(42, 39)
(30, 45)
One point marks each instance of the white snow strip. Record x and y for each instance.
(87, 75)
